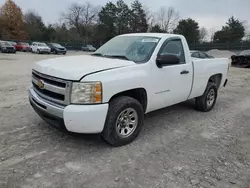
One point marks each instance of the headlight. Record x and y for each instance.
(86, 93)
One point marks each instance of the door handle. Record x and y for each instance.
(184, 72)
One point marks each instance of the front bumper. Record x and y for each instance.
(73, 118)
(60, 51)
(26, 49)
(9, 50)
(44, 50)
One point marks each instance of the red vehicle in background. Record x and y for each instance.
(23, 46)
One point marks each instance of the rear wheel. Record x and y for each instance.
(124, 121)
(207, 101)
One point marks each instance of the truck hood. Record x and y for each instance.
(76, 67)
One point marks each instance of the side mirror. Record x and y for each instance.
(164, 60)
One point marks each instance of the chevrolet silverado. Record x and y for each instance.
(109, 91)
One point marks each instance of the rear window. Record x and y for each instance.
(42, 44)
(25, 44)
(5, 43)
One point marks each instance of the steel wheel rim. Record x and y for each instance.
(210, 97)
(126, 122)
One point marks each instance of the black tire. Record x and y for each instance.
(64, 53)
(202, 101)
(116, 106)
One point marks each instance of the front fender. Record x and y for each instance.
(121, 79)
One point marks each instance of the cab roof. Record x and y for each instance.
(160, 35)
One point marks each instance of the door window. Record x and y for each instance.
(196, 55)
(173, 47)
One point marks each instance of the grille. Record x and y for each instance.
(9, 48)
(52, 89)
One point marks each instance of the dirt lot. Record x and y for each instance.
(178, 147)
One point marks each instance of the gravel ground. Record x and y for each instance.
(178, 146)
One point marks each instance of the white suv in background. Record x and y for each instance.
(38, 47)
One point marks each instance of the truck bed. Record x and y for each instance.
(203, 69)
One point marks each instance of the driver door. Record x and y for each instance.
(172, 83)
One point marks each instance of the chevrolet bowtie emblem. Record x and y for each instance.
(40, 84)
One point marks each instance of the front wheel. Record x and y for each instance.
(207, 101)
(124, 121)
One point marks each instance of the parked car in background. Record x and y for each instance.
(57, 48)
(88, 48)
(13, 43)
(241, 60)
(23, 46)
(200, 55)
(40, 48)
(7, 47)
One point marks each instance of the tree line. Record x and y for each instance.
(86, 23)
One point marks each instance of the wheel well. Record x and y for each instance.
(216, 79)
(139, 94)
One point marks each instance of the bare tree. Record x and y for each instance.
(248, 36)
(150, 17)
(168, 18)
(80, 15)
(203, 34)
(89, 13)
(74, 16)
(211, 34)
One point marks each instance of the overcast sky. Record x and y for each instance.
(209, 13)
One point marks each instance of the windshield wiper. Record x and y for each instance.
(117, 56)
(111, 56)
(97, 54)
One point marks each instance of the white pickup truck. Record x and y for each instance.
(109, 91)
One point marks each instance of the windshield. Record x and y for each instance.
(134, 48)
(5, 43)
(57, 45)
(24, 44)
(42, 44)
(245, 52)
